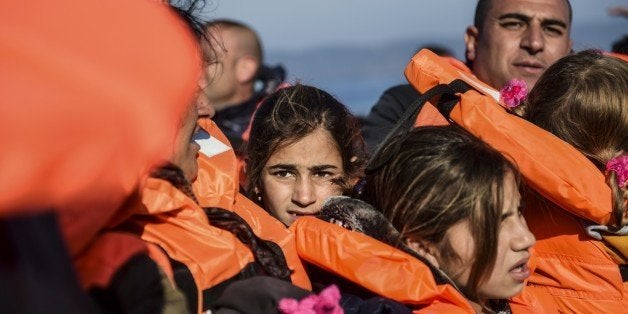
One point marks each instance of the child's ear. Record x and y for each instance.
(423, 248)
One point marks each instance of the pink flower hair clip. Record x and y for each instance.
(326, 302)
(513, 93)
(619, 165)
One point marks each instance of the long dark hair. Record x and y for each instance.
(436, 177)
(189, 11)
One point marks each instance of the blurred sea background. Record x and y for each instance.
(356, 49)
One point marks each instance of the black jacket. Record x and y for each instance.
(386, 113)
(234, 120)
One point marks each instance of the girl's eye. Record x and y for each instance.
(519, 212)
(521, 208)
(283, 174)
(323, 174)
(326, 175)
(505, 216)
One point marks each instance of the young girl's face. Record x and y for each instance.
(297, 178)
(513, 244)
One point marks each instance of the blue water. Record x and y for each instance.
(357, 76)
(360, 95)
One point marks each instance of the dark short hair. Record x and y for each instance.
(483, 6)
(292, 113)
(256, 44)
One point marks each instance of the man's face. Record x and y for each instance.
(222, 82)
(519, 39)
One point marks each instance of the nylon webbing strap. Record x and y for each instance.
(447, 101)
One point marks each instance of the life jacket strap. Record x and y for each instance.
(445, 104)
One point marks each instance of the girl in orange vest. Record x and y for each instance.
(304, 146)
(456, 201)
(583, 100)
(581, 232)
(207, 247)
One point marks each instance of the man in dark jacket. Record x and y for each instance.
(509, 39)
(238, 80)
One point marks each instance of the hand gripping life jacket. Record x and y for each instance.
(206, 258)
(575, 269)
(388, 271)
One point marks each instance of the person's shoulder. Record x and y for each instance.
(405, 89)
(403, 94)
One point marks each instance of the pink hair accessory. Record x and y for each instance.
(513, 93)
(326, 302)
(619, 165)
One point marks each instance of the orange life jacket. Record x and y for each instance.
(109, 252)
(78, 115)
(617, 55)
(389, 272)
(225, 166)
(572, 267)
(179, 226)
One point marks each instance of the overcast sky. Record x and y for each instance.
(297, 24)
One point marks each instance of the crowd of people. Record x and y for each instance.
(207, 184)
